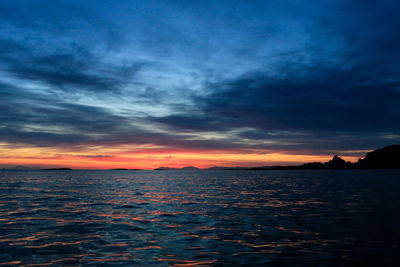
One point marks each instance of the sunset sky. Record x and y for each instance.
(143, 84)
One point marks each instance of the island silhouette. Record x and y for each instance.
(383, 158)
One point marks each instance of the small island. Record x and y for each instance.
(58, 169)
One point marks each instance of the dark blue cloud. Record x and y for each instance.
(284, 75)
(72, 69)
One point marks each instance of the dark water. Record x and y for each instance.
(200, 218)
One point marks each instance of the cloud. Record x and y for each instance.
(322, 99)
(341, 89)
(74, 69)
(316, 76)
(40, 120)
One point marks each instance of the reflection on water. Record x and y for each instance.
(200, 218)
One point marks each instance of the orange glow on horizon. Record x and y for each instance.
(148, 158)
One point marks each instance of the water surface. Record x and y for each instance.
(199, 218)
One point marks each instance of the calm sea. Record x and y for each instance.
(200, 218)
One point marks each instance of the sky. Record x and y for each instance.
(143, 84)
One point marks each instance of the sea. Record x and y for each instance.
(200, 218)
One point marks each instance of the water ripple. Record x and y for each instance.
(219, 218)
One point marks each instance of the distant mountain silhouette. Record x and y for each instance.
(165, 169)
(190, 168)
(187, 168)
(216, 168)
(124, 169)
(58, 169)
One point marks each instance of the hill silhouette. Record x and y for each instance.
(383, 158)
